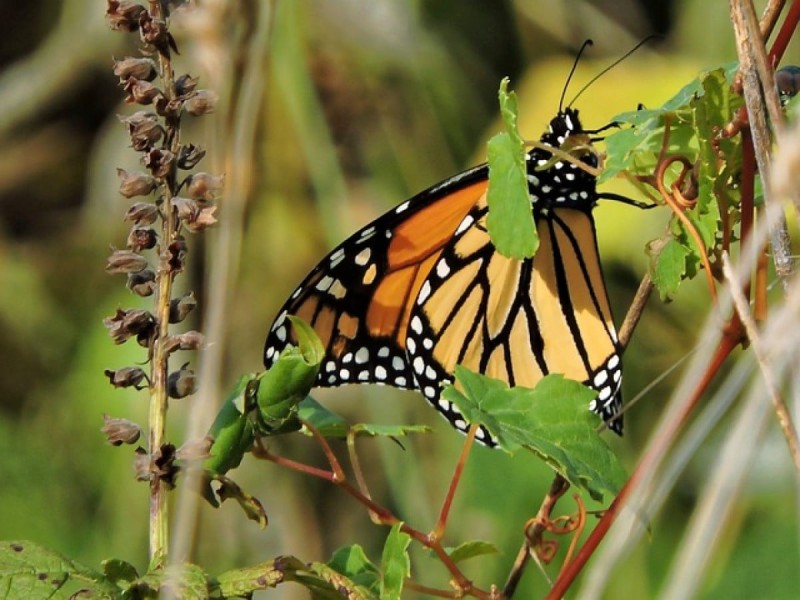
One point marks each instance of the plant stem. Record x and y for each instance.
(159, 396)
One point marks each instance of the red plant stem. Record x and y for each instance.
(663, 438)
(438, 531)
(785, 33)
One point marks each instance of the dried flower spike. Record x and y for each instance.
(189, 156)
(127, 323)
(159, 162)
(141, 238)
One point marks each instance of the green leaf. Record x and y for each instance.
(352, 562)
(329, 424)
(232, 430)
(552, 420)
(119, 571)
(242, 582)
(290, 379)
(395, 563)
(251, 505)
(30, 571)
(185, 581)
(668, 266)
(471, 550)
(510, 221)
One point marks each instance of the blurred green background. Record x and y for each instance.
(331, 112)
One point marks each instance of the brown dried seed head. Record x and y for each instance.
(193, 450)
(182, 382)
(203, 219)
(126, 323)
(143, 128)
(142, 283)
(141, 465)
(136, 67)
(204, 186)
(122, 15)
(135, 184)
(201, 103)
(140, 91)
(185, 208)
(189, 156)
(185, 84)
(177, 253)
(142, 213)
(120, 431)
(125, 261)
(159, 162)
(179, 308)
(163, 464)
(126, 377)
(153, 32)
(190, 340)
(141, 238)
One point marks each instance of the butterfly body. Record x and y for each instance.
(422, 289)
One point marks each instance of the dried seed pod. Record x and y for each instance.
(120, 431)
(194, 450)
(203, 219)
(190, 340)
(127, 377)
(185, 208)
(189, 155)
(142, 213)
(142, 283)
(125, 261)
(179, 308)
(153, 32)
(143, 129)
(141, 465)
(201, 103)
(181, 383)
(136, 183)
(177, 253)
(141, 238)
(126, 323)
(204, 186)
(140, 91)
(185, 84)
(159, 162)
(123, 15)
(163, 465)
(136, 67)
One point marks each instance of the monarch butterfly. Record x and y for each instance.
(422, 288)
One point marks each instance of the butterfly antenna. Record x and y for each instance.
(585, 45)
(606, 70)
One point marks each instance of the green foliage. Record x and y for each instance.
(471, 549)
(691, 121)
(552, 420)
(395, 563)
(510, 221)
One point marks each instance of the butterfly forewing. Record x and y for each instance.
(358, 299)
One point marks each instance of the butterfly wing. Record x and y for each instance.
(358, 299)
(517, 320)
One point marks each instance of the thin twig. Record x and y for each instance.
(781, 410)
(761, 98)
(557, 489)
(635, 311)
